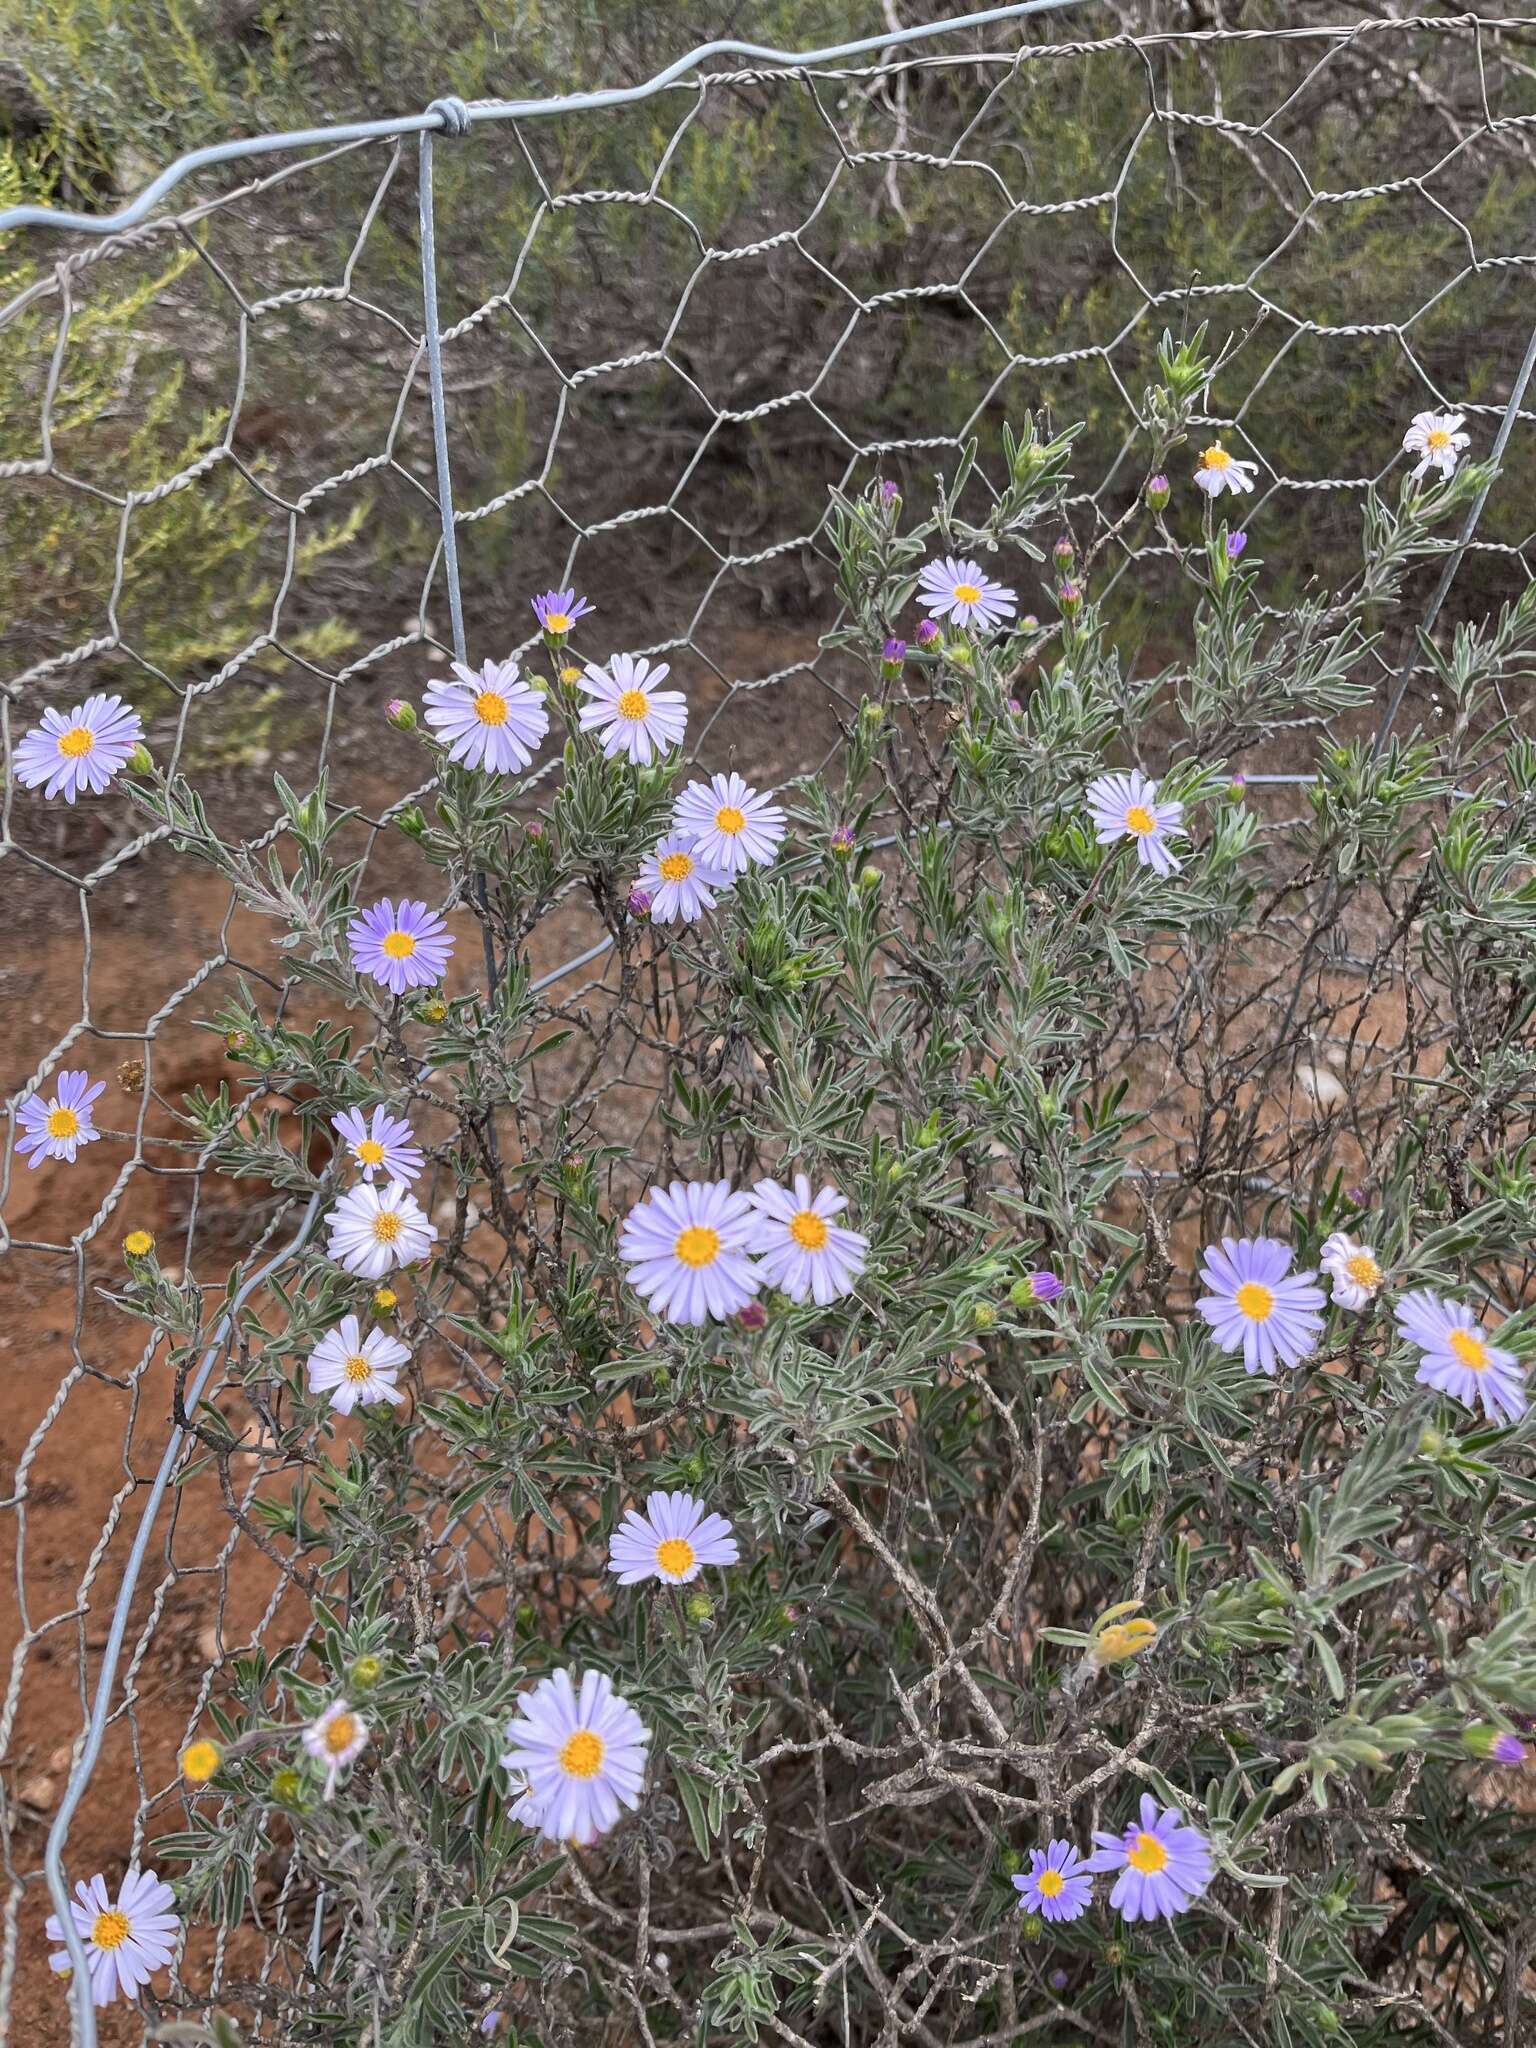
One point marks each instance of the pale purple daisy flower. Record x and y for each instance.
(732, 825)
(1354, 1274)
(1434, 438)
(80, 749)
(802, 1252)
(558, 610)
(1164, 1863)
(404, 950)
(684, 1250)
(1044, 1285)
(493, 720)
(1058, 1884)
(957, 590)
(126, 1939)
(57, 1127)
(679, 881)
(671, 1538)
(371, 1232)
(1458, 1359)
(1220, 472)
(386, 1144)
(579, 1755)
(629, 712)
(1507, 1749)
(1258, 1306)
(336, 1738)
(1126, 807)
(357, 1371)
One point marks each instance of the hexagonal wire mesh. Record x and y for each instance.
(655, 353)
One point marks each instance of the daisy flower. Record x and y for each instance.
(1220, 472)
(580, 1756)
(672, 1539)
(684, 1250)
(1257, 1305)
(336, 1739)
(678, 882)
(630, 714)
(388, 1142)
(357, 1371)
(1058, 1884)
(956, 589)
(79, 749)
(558, 610)
(58, 1127)
(404, 950)
(1164, 1864)
(373, 1232)
(1433, 437)
(731, 824)
(1458, 1359)
(492, 720)
(802, 1251)
(126, 1939)
(1353, 1270)
(1126, 807)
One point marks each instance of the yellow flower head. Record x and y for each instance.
(138, 1244)
(1123, 1639)
(199, 1761)
(385, 1301)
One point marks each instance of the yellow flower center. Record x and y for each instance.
(729, 819)
(72, 744)
(808, 1230)
(491, 708)
(384, 1299)
(1139, 819)
(1363, 1270)
(1216, 458)
(675, 867)
(633, 704)
(1148, 1856)
(341, 1733)
(110, 1930)
(1472, 1351)
(697, 1246)
(138, 1244)
(1255, 1300)
(370, 1152)
(358, 1369)
(556, 622)
(63, 1123)
(399, 946)
(967, 593)
(1050, 1884)
(582, 1755)
(1437, 438)
(200, 1762)
(675, 1556)
(386, 1226)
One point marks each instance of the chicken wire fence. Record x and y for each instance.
(302, 439)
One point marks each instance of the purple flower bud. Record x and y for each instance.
(1015, 707)
(889, 492)
(927, 632)
(1507, 1749)
(1063, 552)
(841, 841)
(1236, 542)
(752, 1317)
(1158, 492)
(894, 653)
(639, 903)
(533, 829)
(1029, 622)
(402, 716)
(1070, 597)
(1058, 1980)
(1045, 1286)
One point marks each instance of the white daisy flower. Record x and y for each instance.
(731, 824)
(678, 882)
(630, 713)
(1220, 472)
(492, 720)
(126, 1939)
(671, 1538)
(685, 1247)
(386, 1143)
(803, 1253)
(373, 1232)
(955, 589)
(336, 1738)
(1126, 807)
(1352, 1269)
(357, 1371)
(79, 749)
(577, 1758)
(1433, 437)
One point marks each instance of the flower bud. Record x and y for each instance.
(1157, 493)
(1483, 1739)
(1432, 1443)
(874, 714)
(1236, 542)
(1237, 788)
(693, 1469)
(984, 1317)
(402, 716)
(927, 632)
(698, 1607)
(870, 878)
(1070, 598)
(366, 1671)
(385, 1301)
(841, 842)
(752, 1316)
(638, 903)
(570, 677)
(1063, 555)
(433, 1010)
(287, 1786)
(412, 821)
(890, 494)
(892, 655)
(141, 760)
(1033, 1926)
